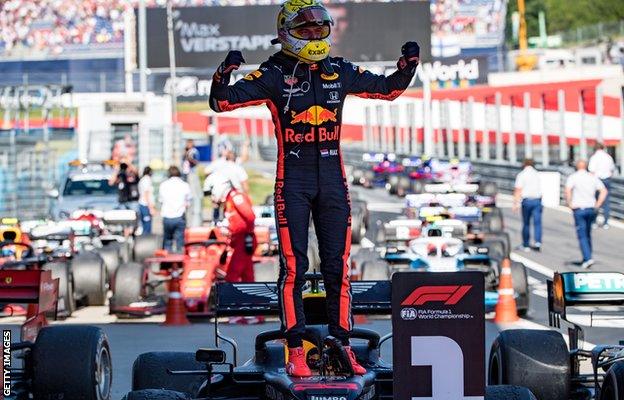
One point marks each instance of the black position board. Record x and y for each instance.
(438, 324)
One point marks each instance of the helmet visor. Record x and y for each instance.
(311, 31)
(311, 15)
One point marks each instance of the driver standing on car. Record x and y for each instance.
(305, 89)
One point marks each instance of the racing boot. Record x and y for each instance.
(297, 365)
(357, 368)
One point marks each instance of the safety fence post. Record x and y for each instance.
(367, 128)
(563, 143)
(461, 131)
(512, 149)
(381, 129)
(395, 128)
(413, 130)
(428, 143)
(528, 137)
(583, 138)
(472, 135)
(599, 113)
(438, 110)
(544, 137)
(485, 141)
(265, 132)
(499, 132)
(450, 145)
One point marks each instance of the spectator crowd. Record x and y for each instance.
(50, 27)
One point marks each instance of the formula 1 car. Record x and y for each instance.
(440, 247)
(205, 374)
(375, 169)
(542, 361)
(139, 288)
(58, 362)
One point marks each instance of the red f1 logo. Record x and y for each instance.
(450, 295)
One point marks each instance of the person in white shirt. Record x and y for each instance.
(580, 194)
(175, 197)
(146, 201)
(528, 194)
(602, 165)
(228, 165)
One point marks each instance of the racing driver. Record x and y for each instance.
(305, 89)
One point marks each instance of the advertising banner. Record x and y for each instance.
(440, 318)
(361, 32)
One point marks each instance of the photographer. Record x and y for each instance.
(126, 178)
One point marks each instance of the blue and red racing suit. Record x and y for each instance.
(306, 107)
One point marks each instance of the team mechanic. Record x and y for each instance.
(305, 89)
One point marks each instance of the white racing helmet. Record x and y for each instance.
(217, 186)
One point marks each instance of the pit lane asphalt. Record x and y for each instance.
(131, 338)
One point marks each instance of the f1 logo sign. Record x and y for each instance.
(446, 359)
(450, 295)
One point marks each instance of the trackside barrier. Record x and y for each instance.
(502, 173)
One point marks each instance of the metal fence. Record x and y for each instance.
(25, 172)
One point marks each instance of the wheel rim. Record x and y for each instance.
(103, 374)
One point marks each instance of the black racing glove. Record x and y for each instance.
(232, 62)
(410, 57)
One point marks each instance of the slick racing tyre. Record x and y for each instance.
(502, 236)
(521, 287)
(127, 285)
(393, 184)
(403, 186)
(418, 186)
(71, 363)
(613, 384)
(536, 359)
(111, 255)
(369, 177)
(357, 176)
(375, 271)
(155, 394)
(496, 249)
(488, 189)
(149, 371)
(493, 221)
(358, 226)
(66, 300)
(507, 392)
(359, 258)
(90, 279)
(145, 246)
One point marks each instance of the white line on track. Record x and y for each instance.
(532, 265)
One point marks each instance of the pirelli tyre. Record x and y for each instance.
(111, 254)
(613, 385)
(145, 246)
(536, 359)
(368, 178)
(149, 371)
(488, 188)
(403, 186)
(155, 394)
(127, 285)
(521, 287)
(89, 272)
(493, 221)
(359, 258)
(357, 176)
(71, 363)
(358, 225)
(503, 237)
(66, 300)
(507, 392)
(417, 186)
(496, 249)
(393, 184)
(376, 270)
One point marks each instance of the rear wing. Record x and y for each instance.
(581, 289)
(261, 298)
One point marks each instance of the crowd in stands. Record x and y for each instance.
(53, 26)
(461, 17)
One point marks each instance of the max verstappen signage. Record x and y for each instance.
(204, 35)
(440, 317)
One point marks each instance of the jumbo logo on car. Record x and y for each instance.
(313, 397)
